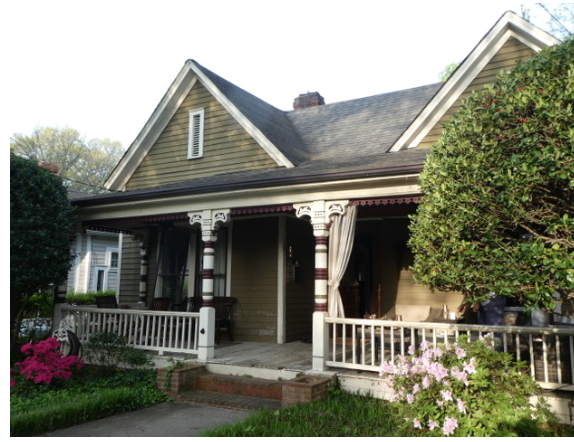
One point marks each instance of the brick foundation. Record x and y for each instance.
(181, 379)
(305, 389)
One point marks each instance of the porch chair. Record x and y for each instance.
(160, 304)
(106, 302)
(223, 310)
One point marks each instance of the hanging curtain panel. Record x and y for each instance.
(341, 238)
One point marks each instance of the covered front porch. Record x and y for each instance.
(339, 344)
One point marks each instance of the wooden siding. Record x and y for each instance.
(254, 279)
(227, 147)
(130, 271)
(299, 293)
(505, 59)
(391, 260)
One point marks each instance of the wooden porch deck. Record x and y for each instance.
(293, 356)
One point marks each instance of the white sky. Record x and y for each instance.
(101, 67)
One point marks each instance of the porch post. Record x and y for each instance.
(143, 267)
(319, 213)
(210, 221)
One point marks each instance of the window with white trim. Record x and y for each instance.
(112, 257)
(195, 142)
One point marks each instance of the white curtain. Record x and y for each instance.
(341, 237)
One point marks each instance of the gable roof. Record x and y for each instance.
(347, 138)
(266, 124)
(509, 25)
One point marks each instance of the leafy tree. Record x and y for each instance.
(83, 165)
(40, 225)
(447, 71)
(498, 207)
(560, 19)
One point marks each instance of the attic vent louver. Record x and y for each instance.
(195, 143)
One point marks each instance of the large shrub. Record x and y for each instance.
(497, 212)
(40, 224)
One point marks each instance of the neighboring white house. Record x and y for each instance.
(96, 262)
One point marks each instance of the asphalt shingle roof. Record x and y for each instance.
(350, 138)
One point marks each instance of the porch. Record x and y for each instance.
(340, 344)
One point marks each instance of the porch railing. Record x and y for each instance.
(161, 331)
(363, 344)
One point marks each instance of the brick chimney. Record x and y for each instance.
(51, 167)
(310, 99)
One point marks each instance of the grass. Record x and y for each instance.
(345, 414)
(90, 394)
(340, 415)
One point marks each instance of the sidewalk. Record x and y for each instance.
(169, 419)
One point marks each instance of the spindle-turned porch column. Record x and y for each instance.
(319, 213)
(210, 222)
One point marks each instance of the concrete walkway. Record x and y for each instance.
(169, 419)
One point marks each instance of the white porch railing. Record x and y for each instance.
(161, 331)
(362, 344)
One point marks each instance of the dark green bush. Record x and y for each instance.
(88, 298)
(108, 349)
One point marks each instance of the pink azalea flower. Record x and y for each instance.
(424, 345)
(446, 395)
(416, 388)
(450, 424)
(469, 368)
(460, 353)
(461, 405)
(410, 398)
(416, 423)
(432, 425)
(426, 382)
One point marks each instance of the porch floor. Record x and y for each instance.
(293, 356)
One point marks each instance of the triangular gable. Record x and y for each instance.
(189, 75)
(509, 26)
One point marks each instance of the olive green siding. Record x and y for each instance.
(227, 147)
(130, 271)
(505, 59)
(300, 282)
(390, 262)
(254, 279)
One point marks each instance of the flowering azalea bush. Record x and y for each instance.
(46, 362)
(463, 389)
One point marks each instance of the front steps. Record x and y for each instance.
(195, 384)
(234, 392)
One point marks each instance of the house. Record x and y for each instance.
(96, 260)
(299, 215)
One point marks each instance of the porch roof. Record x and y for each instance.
(332, 169)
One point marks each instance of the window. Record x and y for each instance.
(112, 257)
(195, 146)
(172, 267)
